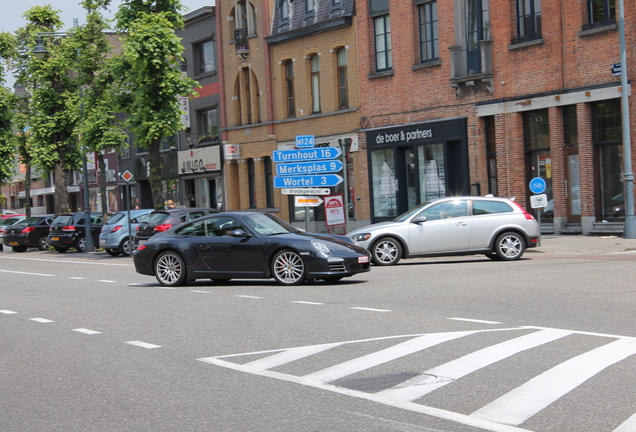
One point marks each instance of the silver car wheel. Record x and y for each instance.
(509, 246)
(81, 244)
(288, 268)
(125, 247)
(386, 251)
(170, 269)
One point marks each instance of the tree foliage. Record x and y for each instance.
(150, 78)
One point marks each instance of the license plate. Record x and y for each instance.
(102, 241)
(13, 243)
(55, 238)
(363, 260)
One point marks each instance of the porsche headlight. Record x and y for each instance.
(320, 246)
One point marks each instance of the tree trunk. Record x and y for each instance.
(102, 185)
(60, 196)
(154, 159)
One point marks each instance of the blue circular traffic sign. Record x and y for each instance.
(537, 185)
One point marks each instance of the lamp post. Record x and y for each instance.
(40, 52)
(629, 231)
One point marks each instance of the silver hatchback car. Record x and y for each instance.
(114, 238)
(497, 227)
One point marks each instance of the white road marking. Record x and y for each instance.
(143, 344)
(107, 281)
(248, 296)
(386, 355)
(628, 425)
(290, 355)
(370, 309)
(41, 320)
(86, 331)
(25, 273)
(77, 278)
(7, 312)
(442, 375)
(166, 288)
(475, 320)
(203, 292)
(520, 404)
(67, 262)
(308, 302)
(410, 406)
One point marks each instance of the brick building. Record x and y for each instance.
(481, 96)
(290, 69)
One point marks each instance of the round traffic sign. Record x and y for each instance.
(537, 185)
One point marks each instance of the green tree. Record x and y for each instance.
(150, 78)
(7, 105)
(98, 127)
(52, 108)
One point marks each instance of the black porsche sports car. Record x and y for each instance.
(247, 245)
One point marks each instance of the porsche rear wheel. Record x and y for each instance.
(170, 269)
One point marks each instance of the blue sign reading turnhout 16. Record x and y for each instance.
(304, 141)
(537, 185)
(303, 155)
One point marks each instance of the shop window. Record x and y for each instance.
(384, 183)
(251, 183)
(536, 137)
(432, 172)
(607, 133)
(429, 38)
(491, 155)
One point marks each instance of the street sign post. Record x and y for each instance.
(303, 155)
(305, 191)
(326, 180)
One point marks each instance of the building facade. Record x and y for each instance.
(481, 96)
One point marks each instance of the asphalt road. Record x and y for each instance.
(543, 344)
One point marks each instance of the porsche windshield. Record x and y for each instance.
(265, 224)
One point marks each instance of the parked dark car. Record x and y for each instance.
(29, 232)
(163, 220)
(248, 245)
(7, 222)
(68, 230)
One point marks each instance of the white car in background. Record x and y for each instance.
(466, 225)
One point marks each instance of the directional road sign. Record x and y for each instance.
(302, 168)
(305, 191)
(304, 141)
(303, 155)
(326, 180)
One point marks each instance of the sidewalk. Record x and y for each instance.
(584, 245)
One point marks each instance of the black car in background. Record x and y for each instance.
(68, 230)
(163, 220)
(248, 245)
(29, 232)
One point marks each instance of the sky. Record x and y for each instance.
(12, 10)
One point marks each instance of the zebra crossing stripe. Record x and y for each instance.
(527, 400)
(386, 355)
(628, 425)
(290, 355)
(442, 375)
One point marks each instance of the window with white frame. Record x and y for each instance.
(382, 34)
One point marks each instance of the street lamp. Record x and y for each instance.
(40, 52)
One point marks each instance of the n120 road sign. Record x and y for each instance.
(303, 155)
(326, 180)
(301, 168)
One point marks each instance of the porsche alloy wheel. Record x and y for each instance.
(170, 270)
(288, 268)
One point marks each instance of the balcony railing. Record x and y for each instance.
(241, 44)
